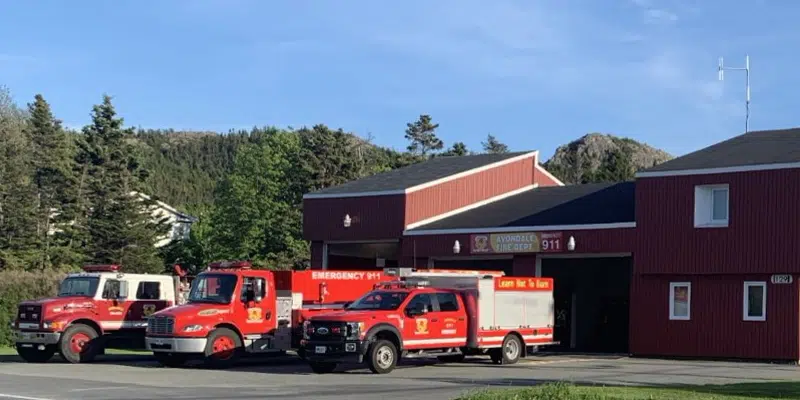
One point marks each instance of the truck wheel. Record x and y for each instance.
(322, 367)
(382, 357)
(223, 348)
(170, 360)
(454, 358)
(79, 344)
(34, 355)
(510, 353)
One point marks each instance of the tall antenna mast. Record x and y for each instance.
(746, 69)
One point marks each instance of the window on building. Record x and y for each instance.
(148, 291)
(680, 300)
(447, 302)
(711, 206)
(755, 301)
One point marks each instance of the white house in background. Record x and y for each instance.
(181, 224)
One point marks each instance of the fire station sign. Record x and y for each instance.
(517, 242)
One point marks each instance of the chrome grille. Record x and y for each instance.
(330, 332)
(29, 313)
(160, 325)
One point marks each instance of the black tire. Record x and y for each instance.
(510, 353)
(453, 358)
(322, 367)
(34, 355)
(171, 360)
(79, 344)
(382, 357)
(227, 359)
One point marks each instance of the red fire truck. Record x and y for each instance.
(233, 309)
(96, 309)
(448, 315)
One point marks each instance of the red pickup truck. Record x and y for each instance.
(448, 315)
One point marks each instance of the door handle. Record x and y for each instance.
(461, 319)
(434, 319)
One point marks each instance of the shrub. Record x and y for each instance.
(16, 286)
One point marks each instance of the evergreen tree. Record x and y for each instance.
(422, 134)
(493, 146)
(458, 149)
(17, 195)
(51, 175)
(120, 227)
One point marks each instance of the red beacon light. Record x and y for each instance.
(230, 265)
(101, 268)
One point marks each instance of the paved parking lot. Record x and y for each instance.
(135, 377)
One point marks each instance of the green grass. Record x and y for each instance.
(10, 351)
(561, 391)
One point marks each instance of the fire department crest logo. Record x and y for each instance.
(148, 309)
(480, 244)
(254, 314)
(422, 326)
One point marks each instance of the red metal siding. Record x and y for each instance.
(542, 179)
(716, 328)
(373, 218)
(461, 192)
(762, 235)
(586, 241)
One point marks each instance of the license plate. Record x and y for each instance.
(320, 349)
(26, 336)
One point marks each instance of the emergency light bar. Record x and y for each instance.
(101, 268)
(411, 272)
(230, 265)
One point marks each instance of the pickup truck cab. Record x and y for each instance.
(96, 309)
(429, 314)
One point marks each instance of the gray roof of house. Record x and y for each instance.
(417, 174)
(753, 148)
(597, 203)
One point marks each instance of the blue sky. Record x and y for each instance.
(535, 74)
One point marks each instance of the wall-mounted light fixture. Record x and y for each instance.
(456, 247)
(346, 222)
(571, 243)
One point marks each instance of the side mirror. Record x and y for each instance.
(123, 290)
(259, 290)
(416, 310)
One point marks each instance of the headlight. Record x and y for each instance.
(193, 328)
(306, 327)
(54, 325)
(354, 329)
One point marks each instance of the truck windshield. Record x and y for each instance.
(79, 286)
(379, 300)
(213, 288)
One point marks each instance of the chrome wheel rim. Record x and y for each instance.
(384, 357)
(512, 349)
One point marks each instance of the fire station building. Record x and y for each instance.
(695, 258)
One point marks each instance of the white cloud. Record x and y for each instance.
(653, 14)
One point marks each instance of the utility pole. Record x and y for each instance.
(746, 69)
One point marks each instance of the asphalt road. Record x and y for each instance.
(134, 377)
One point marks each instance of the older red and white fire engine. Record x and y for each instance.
(96, 309)
(233, 309)
(448, 315)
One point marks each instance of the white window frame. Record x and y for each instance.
(746, 303)
(704, 206)
(672, 316)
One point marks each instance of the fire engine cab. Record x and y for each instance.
(445, 314)
(233, 309)
(96, 309)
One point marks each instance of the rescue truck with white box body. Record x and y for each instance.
(448, 315)
(233, 309)
(99, 308)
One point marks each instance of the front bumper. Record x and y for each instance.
(28, 337)
(175, 345)
(349, 351)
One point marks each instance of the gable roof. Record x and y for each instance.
(417, 176)
(590, 204)
(757, 150)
